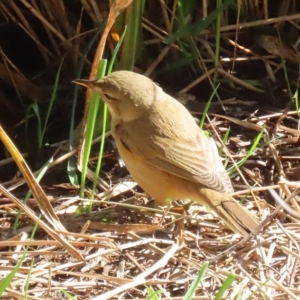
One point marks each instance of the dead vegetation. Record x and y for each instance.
(121, 249)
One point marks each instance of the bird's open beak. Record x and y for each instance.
(85, 82)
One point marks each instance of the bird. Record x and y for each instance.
(164, 149)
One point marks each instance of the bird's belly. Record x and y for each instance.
(160, 185)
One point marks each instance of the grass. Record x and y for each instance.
(187, 47)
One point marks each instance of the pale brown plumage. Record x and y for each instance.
(163, 148)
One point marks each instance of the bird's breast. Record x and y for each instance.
(159, 184)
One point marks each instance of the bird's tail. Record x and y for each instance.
(236, 216)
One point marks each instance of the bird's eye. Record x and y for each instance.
(108, 97)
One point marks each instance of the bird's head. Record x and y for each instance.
(128, 95)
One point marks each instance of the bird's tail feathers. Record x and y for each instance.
(236, 216)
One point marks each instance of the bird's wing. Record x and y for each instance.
(196, 160)
(187, 153)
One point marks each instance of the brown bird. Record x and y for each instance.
(164, 150)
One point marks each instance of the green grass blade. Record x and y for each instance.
(72, 167)
(132, 42)
(225, 139)
(225, 286)
(191, 292)
(296, 97)
(7, 280)
(105, 115)
(187, 8)
(70, 297)
(52, 99)
(249, 153)
(90, 126)
(35, 108)
(116, 51)
(27, 282)
(153, 294)
(200, 25)
(207, 106)
(43, 171)
(218, 39)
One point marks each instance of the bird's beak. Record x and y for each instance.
(85, 82)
